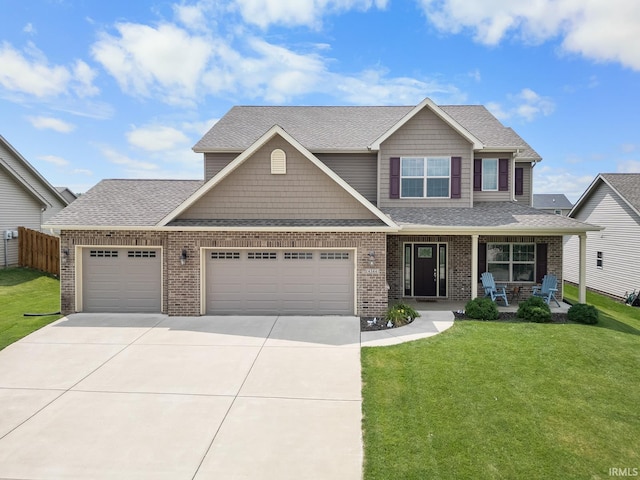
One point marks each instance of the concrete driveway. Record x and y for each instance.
(106, 396)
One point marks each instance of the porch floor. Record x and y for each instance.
(453, 306)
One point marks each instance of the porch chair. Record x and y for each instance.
(547, 290)
(492, 290)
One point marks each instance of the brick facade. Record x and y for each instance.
(181, 284)
(459, 262)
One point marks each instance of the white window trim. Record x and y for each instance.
(512, 262)
(497, 175)
(424, 176)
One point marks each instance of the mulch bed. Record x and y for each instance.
(512, 317)
(366, 324)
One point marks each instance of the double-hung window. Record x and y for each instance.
(489, 174)
(425, 177)
(511, 262)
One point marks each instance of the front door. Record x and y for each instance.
(425, 268)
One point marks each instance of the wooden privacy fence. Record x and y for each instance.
(38, 250)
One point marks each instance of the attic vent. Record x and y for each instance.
(278, 162)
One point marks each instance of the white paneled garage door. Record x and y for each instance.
(309, 282)
(121, 280)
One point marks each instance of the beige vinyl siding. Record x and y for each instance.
(358, 170)
(18, 208)
(494, 196)
(617, 242)
(527, 183)
(426, 135)
(252, 192)
(214, 162)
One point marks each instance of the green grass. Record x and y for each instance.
(25, 291)
(492, 400)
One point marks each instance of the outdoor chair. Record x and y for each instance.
(492, 290)
(547, 290)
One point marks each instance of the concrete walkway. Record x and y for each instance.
(150, 396)
(429, 323)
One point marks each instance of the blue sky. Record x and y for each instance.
(93, 90)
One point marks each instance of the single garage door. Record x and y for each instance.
(121, 280)
(313, 282)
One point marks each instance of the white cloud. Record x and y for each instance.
(555, 180)
(597, 29)
(200, 127)
(82, 171)
(527, 105)
(628, 166)
(83, 76)
(32, 76)
(298, 12)
(135, 168)
(29, 28)
(629, 147)
(42, 123)
(155, 138)
(55, 160)
(146, 60)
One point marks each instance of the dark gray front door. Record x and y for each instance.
(425, 269)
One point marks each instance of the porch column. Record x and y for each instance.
(474, 266)
(582, 270)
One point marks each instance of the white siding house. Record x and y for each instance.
(26, 200)
(612, 201)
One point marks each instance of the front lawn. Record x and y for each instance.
(495, 400)
(23, 291)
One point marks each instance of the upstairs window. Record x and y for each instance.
(425, 177)
(489, 174)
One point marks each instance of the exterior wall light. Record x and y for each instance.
(183, 256)
(372, 257)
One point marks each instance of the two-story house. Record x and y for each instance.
(318, 210)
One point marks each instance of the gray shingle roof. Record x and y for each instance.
(126, 203)
(277, 223)
(551, 200)
(344, 128)
(490, 215)
(627, 184)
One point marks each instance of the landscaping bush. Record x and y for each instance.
(534, 309)
(401, 314)
(481, 309)
(583, 313)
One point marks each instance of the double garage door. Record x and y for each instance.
(304, 282)
(121, 280)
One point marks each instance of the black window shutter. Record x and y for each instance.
(541, 261)
(482, 259)
(477, 174)
(503, 174)
(456, 177)
(394, 177)
(519, 181)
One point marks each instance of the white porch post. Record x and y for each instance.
(582, 270)
(474, 266)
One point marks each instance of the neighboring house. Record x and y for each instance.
(613, 257)
(26, 200)
(67, 194)
(317, 210)
(556, 203)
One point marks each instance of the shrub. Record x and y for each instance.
(481, 309)
(534, 309)
(583, 313)
(401, 314)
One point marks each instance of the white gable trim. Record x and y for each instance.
(35, 173)
(272, 132)
(24, 184)
(477, 144)
(594, 185)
